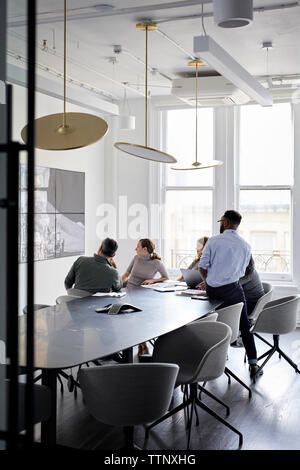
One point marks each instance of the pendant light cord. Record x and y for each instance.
(202, 19)
(197, 112)
(65, 61)
(146, 90)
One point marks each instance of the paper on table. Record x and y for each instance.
(169, 288)
(166, 285)
(109, 294)
(195, 292)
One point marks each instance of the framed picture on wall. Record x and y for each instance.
(59, 213)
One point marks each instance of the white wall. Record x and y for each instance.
(128, 176)
(50, 275)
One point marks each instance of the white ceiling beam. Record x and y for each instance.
(222, 62)
(112, 12)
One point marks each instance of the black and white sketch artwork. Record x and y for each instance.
(59, 213)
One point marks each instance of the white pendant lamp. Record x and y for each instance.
(233, 13)
(65, 131)
(196, 165)
(143, 151)
(126, 120)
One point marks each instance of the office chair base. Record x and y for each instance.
(194, 400)
(268, 354)
(263, 340)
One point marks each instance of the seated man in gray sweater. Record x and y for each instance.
(96, 273)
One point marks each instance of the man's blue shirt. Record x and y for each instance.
(225, 257)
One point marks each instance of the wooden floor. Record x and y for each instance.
(270, 420)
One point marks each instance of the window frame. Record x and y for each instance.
(286, 277)
(165, 188)
(226, 186)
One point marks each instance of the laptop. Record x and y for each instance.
(192, 277)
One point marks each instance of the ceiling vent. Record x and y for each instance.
(212, 91)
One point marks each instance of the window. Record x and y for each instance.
(266, 179)
(187, 195)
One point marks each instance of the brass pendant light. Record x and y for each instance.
(65, 131)
(143, 151)
(198, 165)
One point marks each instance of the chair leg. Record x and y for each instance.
(265, 354)
(289, 361)
(227, 374)
(271, 351)
(263, 339)
(219, 418)
(61, 384)
(245, 358)
(211, 395)
(63, 374)
(168, 415)
(203, 386)
(197, 417)
(238, 380)
(193, 394)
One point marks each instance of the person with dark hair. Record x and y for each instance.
(223, 262)
(97, 273)
(201, 242)
(252, 286)
(141, 271)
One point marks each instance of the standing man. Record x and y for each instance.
(222, 264)
(97, 273)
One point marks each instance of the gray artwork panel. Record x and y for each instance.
(44, 195)
(70, 235)
(44, 237)
(57, 234)
(69, 192)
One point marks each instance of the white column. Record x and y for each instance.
(296, 199)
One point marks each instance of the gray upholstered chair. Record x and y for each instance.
(268, 288)
(128, 394)
(200, 349)
(78, 293)
(35, 307)
(62, 299)
(231, 317)
(279, 317)
(42, 403)
(209, 317)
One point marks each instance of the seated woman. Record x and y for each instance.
(144, 266)
(142, 269)
(201, 242)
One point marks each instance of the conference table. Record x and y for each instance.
(72, 334)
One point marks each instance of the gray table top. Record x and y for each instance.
(73, 333)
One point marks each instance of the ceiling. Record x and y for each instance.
(92, 31)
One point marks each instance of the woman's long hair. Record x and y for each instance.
(147, 243)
